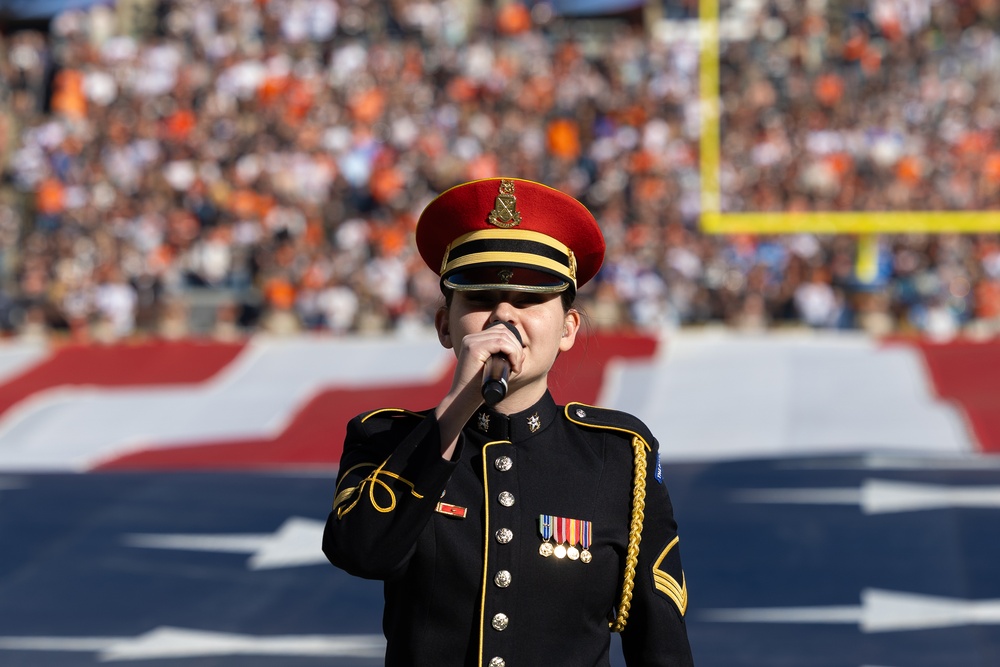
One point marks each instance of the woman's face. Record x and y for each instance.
(546, 329)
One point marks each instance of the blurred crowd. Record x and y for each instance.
(236, 166)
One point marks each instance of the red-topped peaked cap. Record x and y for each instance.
(509, 234)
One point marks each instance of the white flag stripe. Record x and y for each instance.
(239, 544)
(15, 359)
(898, 461)
(817, 496)
(882, 496)
(168, 642)
(73, 644)
(728, 396)
(880, 611)
(706, 396)
(255, 397)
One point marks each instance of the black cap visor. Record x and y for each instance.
(504, 277)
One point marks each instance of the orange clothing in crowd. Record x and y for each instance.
(247, 204)
(988, 299)
(514, 18)
(271, 90)
(908, 170)
(564, 138)
(279, 292)
(829, 89)
(386, 184)
(50, 199)
(68, 97)
(991, 169)
(393, 238)
(368, 105)
(178, 125)
(299, 99)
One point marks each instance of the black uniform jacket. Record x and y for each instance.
(459, 543)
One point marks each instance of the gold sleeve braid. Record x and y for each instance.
(635, 534)
(371, 481)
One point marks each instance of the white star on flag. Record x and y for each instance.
(296, 543)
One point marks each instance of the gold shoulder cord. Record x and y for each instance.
(634, 535)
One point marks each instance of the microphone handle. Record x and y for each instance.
(495, 379)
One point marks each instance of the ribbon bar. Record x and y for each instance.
(451, 510)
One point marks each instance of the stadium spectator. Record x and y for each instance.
(276, 150)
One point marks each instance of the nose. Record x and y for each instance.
(503, 311)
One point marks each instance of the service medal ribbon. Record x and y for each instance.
(451, 510)
(545, 528)
(572, 538)
(559, 530)
(586, 537)
(573, 532)
(567, 535)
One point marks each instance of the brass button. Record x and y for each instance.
(506, 498)
(502, 579)
(503, 463)
(505, 535)
(497, 662)
(500, 623)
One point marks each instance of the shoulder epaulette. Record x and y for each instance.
(607, 419)
(386, 419)
(391, 412)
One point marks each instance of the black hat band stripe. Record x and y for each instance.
(510, 246)
(513, 246)
(508, 258)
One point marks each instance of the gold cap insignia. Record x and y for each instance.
(505, 214)
(505, 276)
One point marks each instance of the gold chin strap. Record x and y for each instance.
(639, 447)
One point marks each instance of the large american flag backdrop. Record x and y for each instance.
(162, 503)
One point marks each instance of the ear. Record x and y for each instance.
(443, 330)
(571, 325)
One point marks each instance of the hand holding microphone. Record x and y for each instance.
(497, 370)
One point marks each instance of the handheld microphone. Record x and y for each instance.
(496, 371)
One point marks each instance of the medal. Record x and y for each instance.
(545, 528)
(559, 530)
(586, 530)
(572, 538)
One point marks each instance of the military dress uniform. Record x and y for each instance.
(547, 529)
(461, 544)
